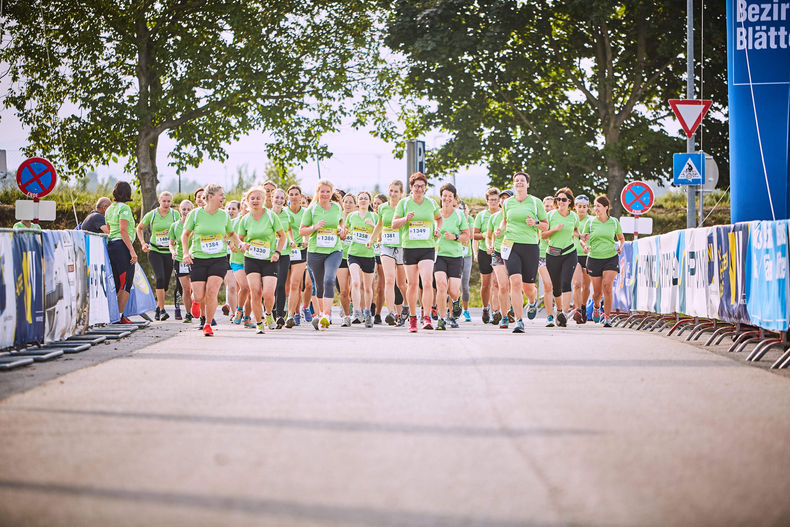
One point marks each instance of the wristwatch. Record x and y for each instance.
(456, 237)
(278, 252)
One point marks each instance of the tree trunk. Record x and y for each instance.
(147, 173)
(615, 172)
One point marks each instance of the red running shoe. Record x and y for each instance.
(426, 323)
(412, 324)
(125, 320)
(195, 309)
(207, 332)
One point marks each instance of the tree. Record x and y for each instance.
(281, 176)
(572, 91)
(95, 80)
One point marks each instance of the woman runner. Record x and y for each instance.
(563, 229)
(468, 256)
(322, 221)
(243, 309)
(494, 245)
(524, 216)
(449, 266)
(177, 251)
(205, 232)
(548, 304)
(488, 293)
(349, 203)
(233, 208)
(392, 255)
(603, 264)
(263, 242)
(123, 258)
(378, 305)
(581, 280)
(361, 259)
(158, 248)
(298, 260)
(418, 217)
(284, 263)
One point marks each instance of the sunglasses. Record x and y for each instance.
(561, 199)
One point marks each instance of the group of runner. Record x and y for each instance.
(282, 254)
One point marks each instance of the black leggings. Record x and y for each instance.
(162, 265)
(561, 270)
(280, 294)
(324, 267)
(398, 296)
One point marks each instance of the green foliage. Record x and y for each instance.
(282, 177)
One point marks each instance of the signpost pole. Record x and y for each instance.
(636, 227)
(691, 216)
(35, 211)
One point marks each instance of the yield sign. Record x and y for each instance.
(637, 197)
(690, 113)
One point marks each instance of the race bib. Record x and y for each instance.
(377, 249)
(362, 235)
(507, 246)
(259, 250)
(390, 236)
(296, 254)
(212, 244)
(326, 237)
(419, 231)
(465, 251)
(161, 238)
(183, 268)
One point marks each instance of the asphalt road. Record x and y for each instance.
(475, 426)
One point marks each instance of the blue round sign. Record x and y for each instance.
(637, 197)
(36, 177)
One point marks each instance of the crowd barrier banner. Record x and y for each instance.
(112, 294)
(66, 301)
(647, 274)
(766, 269)
(141, 298)
(99, 312)
(714, 297)
(732, 242)
(693, 252)
(29, 288)
(623, 282)
(7, 292)
(667, 301)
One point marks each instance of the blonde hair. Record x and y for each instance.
(212, 189)
(166, 193)
(322, 183)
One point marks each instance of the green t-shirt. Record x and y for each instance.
(285, 218)
(467, 248)
(260, 234)
(602, 236)
(455, 223)
(482, 221)
(237, 257)
(113, 216)
(389, 237)
(20, 225)
(160, 229)
(360, 232)
(174, 234)
(326, 239)
(582, 224)
(346, 243)
(208, 233)
(417, 233)
(296, 222)
(517, 213)
(564, 237)
(493, 224)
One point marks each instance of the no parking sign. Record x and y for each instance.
(36, 177)
(637, 197)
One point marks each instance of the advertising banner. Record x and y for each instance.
(766, 269)
(58, 306)
(668, 273)
(647, 274)
(714, 296)
(624, 281)
(99, 312)
(78, 279)
(112, 294)
(7, 294)
(694, 273)
(141, 298)
(732, 242)
(28, 288)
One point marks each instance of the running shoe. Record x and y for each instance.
(577, 316)
(549, 321)
(596, 315)
(125, 320)
(467, 316)
(164, 316)
(195, 309)
(377, 320)
(503, 323)
(202, 322)
(519, 327)
(486, 315)
(280, 322)
(584, 316)
(562, 320)
(178, 313)
(308, 316)
(207, 331)
(434, 313)
(496, 318)
(346, 322)
(457, 310)
(188, 318)
(390, 319)
(297, 319)
(404, 313)
(440, 325)
(314, 322)
(261, 328)
(157, 314)
(412, 324)
(290, 322)
(453, 322)
(511, 316)
(368, 320)
(426, 323)
(213, 322)
(226, 310)
(607, 322)
(532, 310)
(270, 321)
(357, 318)
(324, 322)
(239, 316)
(248, 323)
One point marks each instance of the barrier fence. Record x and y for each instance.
(58, 284)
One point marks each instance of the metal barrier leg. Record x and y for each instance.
(716, 334)
(783, 361)
(741, 338)
(761, 349)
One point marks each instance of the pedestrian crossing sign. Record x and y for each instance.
(689, 169)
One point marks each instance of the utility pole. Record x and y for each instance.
(691, 191)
